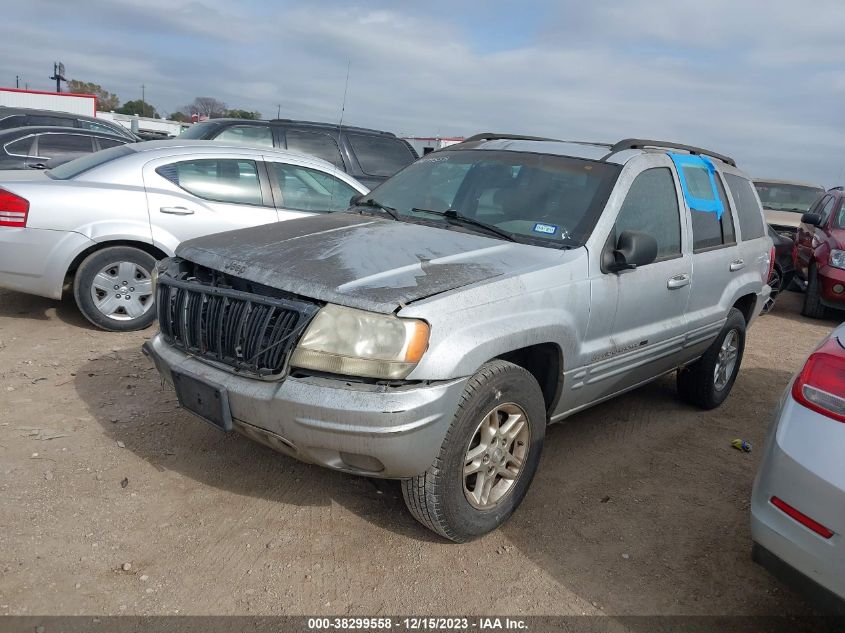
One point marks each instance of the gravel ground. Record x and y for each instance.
(114, 501)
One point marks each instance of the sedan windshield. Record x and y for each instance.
(535, 198)
(784, 197)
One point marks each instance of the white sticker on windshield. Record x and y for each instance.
(548, 229)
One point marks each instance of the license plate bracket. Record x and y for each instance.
(208, 401)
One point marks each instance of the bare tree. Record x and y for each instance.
(206, 106)
(106, 101)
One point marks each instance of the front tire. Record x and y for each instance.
(708, 381)
(113, 288)
(488, 458)
(813, 307)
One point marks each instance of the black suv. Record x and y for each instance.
(26, 117)
(369, 156)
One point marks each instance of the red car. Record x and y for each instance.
(819, 254)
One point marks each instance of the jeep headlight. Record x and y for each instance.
(837, 258)
(359, 343)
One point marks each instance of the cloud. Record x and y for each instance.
(756, 80)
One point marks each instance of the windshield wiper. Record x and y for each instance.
(456, 217)
(375, 204)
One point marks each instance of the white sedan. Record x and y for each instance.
(798, 503)
(101, 221)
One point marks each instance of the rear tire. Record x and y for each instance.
(708, 381)
(488, 458)
(813, 307)
(106, 278)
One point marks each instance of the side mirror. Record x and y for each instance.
(813, 219)
(633, 248)
(356, 199)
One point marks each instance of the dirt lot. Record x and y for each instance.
(640, 506)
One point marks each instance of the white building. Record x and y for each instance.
(145, 124)
(426, 144)
(56, 101)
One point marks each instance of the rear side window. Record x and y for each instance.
(84, 163)
(53, 145)
(38, 119)
(379, 155)
(260, 135)
(17, 120)
(305, 189)
(651, 206)
(21, 147)
(314, 144)
(747, 207)
(222, 180)
(710, 231)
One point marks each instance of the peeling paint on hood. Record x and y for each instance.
(362, 261)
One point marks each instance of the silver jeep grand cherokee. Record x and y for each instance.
(432, 331)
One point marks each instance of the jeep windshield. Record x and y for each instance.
(540, 199)
(784, 197)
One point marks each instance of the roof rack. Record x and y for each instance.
(639, 143)
(493, 136)
(837, 188)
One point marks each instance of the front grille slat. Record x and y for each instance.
(251, 333)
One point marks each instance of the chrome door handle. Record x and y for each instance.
(177, 210)
(678, 281)
(737, 264)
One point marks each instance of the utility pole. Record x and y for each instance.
(17, 81)
(143, 101)
(279, 111)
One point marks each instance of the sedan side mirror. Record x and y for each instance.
(813, 219)
(356, 199)
(633, 248)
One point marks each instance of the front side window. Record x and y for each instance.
(748, 210)
(708, 229)
(785, 197)
(544, 199)
(53, 145)
(305, 189)
(260, 135)
(16, 120)
(380, 155)
(21, 147)
(826, 209)
(221, 180)
(651, 206)
(314, 144)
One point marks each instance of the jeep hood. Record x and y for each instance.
(363, 261)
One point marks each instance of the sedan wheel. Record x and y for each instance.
(113, 288)
(122, 291)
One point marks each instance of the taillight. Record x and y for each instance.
(13, 209)
(821, 384)
(802, 518)
(771, 264)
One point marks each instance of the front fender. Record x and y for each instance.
(463, 339)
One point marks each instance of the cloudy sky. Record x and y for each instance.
(762, 81)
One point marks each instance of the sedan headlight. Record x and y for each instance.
(359, 343)
(837, 258)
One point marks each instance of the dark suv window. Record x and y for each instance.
(247, 135)
(53, 145)
(40, 119)
(708, 230)
(21, 147)
(747, 208)
(314, 144)
(223, 180)
(379, 155)
(17, 120)
(652, 206)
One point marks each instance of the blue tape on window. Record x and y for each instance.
(713, 203)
